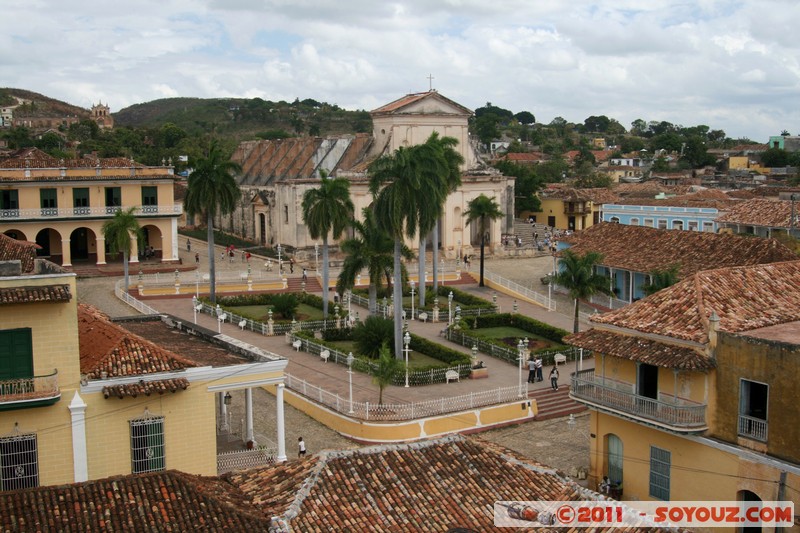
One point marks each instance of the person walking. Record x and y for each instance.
(305, 275)
(554, 378)
(197, 258)
(291, 266)
(188, 245)
(531, 370)
(301, 448)
(538, 362)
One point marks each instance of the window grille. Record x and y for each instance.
(19, 462)
(659, 473)
(147, 444)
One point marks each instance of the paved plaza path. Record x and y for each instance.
(551, 442)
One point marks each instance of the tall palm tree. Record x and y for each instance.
(451, 178)
(327, 209)
(661, 279)
(577, 274)
(370, 249)
(118, 232)
(212, 190)
(385, 370)
(481, 210)
(409, 191)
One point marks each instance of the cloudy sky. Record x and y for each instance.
(729, 64)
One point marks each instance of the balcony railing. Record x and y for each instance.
(44, 213)
(38, 390)
(753, 428)
(683, 415)
(576, 209)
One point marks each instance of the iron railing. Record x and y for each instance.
(509, 355)
(680, 415)
(33, 388)
(753, 428)
(86, 212)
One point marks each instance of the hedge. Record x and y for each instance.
(535, 327)
(227, 302)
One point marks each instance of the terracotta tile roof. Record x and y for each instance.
(425, 486)
(644, 249)
(400, 103)
(107, 347)
(524, 157)
(146, 388)
(599, 155)
(597, 195)
(35, 294)
(647, 189)
(749, 148)
(24, 251)
(760, 212)
(160, 501)
(744, 298)
(41, 159)
(641, 349)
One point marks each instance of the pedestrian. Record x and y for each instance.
(305, 275)
(243, 256)
(247, 257)
(197, 258)
(291, 266)
(188, 245)
(531, 370)
(539, 369)
(554, 378)
(301, 448)
(231, 255)
(222, 256)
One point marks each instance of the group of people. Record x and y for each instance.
(517, 240)
(535, 372)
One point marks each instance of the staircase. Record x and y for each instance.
(555, 404)
(296, 284)
(525, 230)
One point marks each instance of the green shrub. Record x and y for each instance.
(371, 334)
(437, 351)
(285, 305)
(531, 325)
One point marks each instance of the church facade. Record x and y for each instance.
(277, 173)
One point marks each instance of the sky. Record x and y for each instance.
(728, 64)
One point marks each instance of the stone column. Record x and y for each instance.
(248, 409)
(281, 437)
(80, 464)
(101, 250)
(66, 253)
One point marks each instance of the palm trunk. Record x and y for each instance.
(483, 241)
(373, 296)
(397, 290)
(435, 245)
(212, 277)
(423, 248)
(125, 269)
(325, 277)
(576, 324)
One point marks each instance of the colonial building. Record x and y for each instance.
(84, 398)
(101, 114)
(763, 216)
(61, 205)
(276, 174)
(566, 208)
(693, 394)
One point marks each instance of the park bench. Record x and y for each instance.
(324, 355)
(451, 375)
(242, 324)
(560, 358)
(423, 316)
(297, 344)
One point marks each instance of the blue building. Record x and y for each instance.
(663, 216)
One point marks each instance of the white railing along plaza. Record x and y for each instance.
(86, 212)
(405, 411)
(513, 286)
(130, 300)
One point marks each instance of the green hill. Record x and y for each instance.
(40, 106)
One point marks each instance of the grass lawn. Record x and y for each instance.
(415, 359)
(511, 336)
(259, 312)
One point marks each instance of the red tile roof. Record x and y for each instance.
(35, 294)
(744, 298)
(597, 195)
(760, 212)
(12, 249)
(400, 103)
(644, 249)
(524, 157)
(106, 347)
(146, 388)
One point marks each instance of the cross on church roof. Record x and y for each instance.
(430, 82)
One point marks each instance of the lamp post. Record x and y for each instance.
(412, 299)
(280, 263)
(385, 307)
(350, 360)
(197, 283)
(406, 343)
(521, 349)
(194, 307)
(450, 308)
(474, 355)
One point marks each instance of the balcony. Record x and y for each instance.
(611, 396)
(752, 428)
(22, 393)
(51, 213)
(577, 209)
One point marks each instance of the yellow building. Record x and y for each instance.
(84, 398)
(61, 205)
(693, 390)
(571, 209)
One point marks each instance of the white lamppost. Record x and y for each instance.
(316, 257)
(194, 307)
(474, 355)
(450, 308)
(521, 349)
(350, 360)
(280, 263)
(406, 342)
(197, 283)
(412, 299)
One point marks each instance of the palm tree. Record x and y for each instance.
(212, 189)
(409, 191)
(371, 250)
(482, 209)
(451, 175)
(387, 367)
(577, 275)
(327, 210)
(118, 232)
(661, 279)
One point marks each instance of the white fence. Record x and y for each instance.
(405, 411)
(143, 308)
(241, 459)
(513, 286)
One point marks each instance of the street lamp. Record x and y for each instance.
(350, 360)
(412, 299)
(521, 349)
(450, 308)
(194, 307)
(406, 342)
(227, 398)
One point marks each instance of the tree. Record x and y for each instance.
(486, 127)
(117, 233)
(577, 275)
(597, 123)
(409, 190)
(481, 210)
(327, 209)
(211, 190)
(661, 279)
(387, 367)
(525, 117)
(370, 249)
(371, 334)
(774, 157)
(660, 164)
